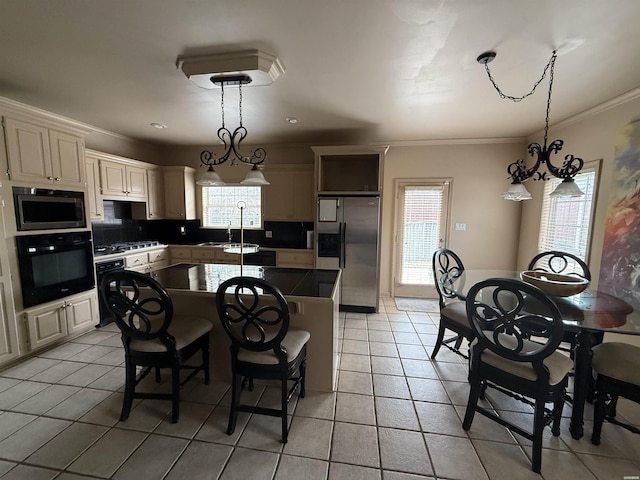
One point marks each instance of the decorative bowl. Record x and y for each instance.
(555, 284)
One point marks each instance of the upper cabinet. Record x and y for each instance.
(123, 180)
(94, 193)
(180, 192)
(349, 169)
(289, 197)
(38, 155)
(155, 204)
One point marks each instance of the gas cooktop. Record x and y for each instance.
(121, 247)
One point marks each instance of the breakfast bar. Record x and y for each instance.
(312, 294)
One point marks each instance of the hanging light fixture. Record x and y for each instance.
(232, 141)
(518, 170)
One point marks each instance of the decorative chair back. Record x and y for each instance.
(254, 313)
(555, 261)
(447, 269)
(505, 312)
(142, 307)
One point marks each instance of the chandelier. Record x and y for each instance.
(231, 141)
(518, 170)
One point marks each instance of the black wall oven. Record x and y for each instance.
(54, 266)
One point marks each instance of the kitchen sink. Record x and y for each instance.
(212, 244)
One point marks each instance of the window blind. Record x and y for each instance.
(422, 210)
(220, 207)
(566, 222)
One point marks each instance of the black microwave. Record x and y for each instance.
(44, 209)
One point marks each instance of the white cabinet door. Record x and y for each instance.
(46, 324)
(67, 159)
(28, 152)
(82, 312)
(96, 209)
(155, 205)
(114, 179)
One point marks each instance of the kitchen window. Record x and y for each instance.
(220, 207)
(566, 222)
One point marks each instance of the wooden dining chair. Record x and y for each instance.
(556, 261)
(503, 357)
(447, 269)
(255, 315)
(153, 336)
(617, 369)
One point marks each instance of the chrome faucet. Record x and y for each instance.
(229, 234)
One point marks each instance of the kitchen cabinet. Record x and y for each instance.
(38, 155)
(155, 203)
(94, 192)
(123, 181)
(289, 197)
(180, 254)
(180, 192)
(8, 331)
(349, 169)
(147, 261)
(204, 254)
(55, 320)
(294, 258)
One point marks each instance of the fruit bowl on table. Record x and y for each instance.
(555, 284)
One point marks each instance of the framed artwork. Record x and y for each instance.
(620, 267)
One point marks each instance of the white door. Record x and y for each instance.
(421, 225)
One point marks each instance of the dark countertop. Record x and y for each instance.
(206, 277)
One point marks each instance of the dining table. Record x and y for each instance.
(589, 314)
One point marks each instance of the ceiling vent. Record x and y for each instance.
(262, 67)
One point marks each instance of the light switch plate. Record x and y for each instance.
(461, 226)
(268, 234)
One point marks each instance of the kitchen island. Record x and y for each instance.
(313, 297)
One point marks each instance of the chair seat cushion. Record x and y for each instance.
(617, 360)
(558, 364)
(185, 329)
(457, 312)
(293, 342)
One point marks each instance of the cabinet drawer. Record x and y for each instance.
(228, 258)
(158, 256)
(181, 254)
(302, 258)
(204, 255)
(135, 260)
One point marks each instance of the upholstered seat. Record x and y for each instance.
(447, 268)
(617, 369)
(503, 357)
(153, 337)
(255, 315)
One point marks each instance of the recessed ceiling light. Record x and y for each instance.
(292, 120)
(159, 126)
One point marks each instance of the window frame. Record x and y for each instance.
(589, 166)
(202, 208)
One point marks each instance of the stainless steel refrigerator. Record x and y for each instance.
(348, 231)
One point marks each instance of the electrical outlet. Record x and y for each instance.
(268, 234)
(461, 226)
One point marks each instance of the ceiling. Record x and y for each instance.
(356, 71)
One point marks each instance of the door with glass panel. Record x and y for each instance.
(421, 226)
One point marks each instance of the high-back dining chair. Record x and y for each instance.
(555, 261)
(153, 336)
(502, 356)
(447, 268)
(617, 369)
(255, 315)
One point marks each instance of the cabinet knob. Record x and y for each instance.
(49, 178)
(57, 179)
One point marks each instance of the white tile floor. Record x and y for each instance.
(396, 416)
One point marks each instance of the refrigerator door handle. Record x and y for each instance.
(343, 245)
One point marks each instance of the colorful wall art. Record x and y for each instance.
(620, 267)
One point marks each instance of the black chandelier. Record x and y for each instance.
(232, 141)
(518, 170)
